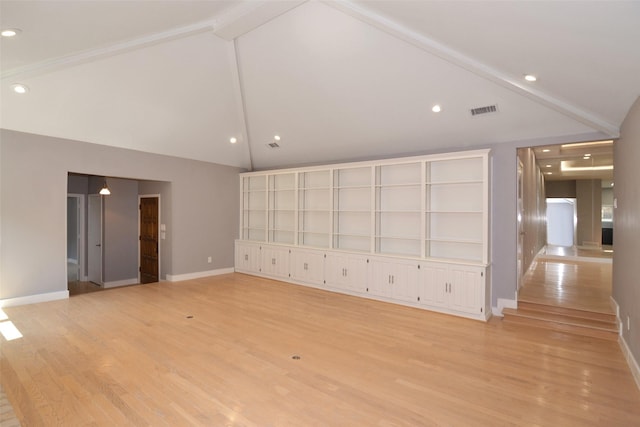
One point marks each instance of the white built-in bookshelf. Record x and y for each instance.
(427, 212)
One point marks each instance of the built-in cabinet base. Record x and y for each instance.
(447, 287)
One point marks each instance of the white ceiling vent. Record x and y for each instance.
(484, 110)
(273, 145)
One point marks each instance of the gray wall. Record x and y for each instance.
(72, 230)
(560, 189)
(626, 227)
(199, 204)
(504, 187)
(589, 212)
(203, 204)
(78, 184)
(120, 245)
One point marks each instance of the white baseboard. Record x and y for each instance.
(33, 299)
(503, 303)
(631, 361)
(117, 283)
(197, 275)
(616, 308)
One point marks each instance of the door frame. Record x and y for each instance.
(81, 235)
(161, 233)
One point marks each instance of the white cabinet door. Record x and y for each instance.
(307, 266)
(405, 281)
(466, 289)
(275, 261)
(380, 279)
(394, 278)
(247, 257)
(455, 287)
(433, 288)
(346, 272)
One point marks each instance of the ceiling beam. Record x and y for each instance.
(244, 17)
(241, 111)
(73, 59)
(513, 83)
(250, 15)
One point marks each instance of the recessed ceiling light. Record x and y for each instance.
(546, 150)
(10, 32)
(549, 173)
(587, 155)
(233, 140)
(547, 166)
(19, 88)
(530, 77)
(276, 137)
(612, 184)
(436, 108)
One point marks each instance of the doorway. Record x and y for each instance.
(149, 246)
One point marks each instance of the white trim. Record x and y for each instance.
(140, 197)
(72, 261)
(616, 308)
(124, 282)
(631, 361)
(504, 303)
(199, 274)
(33, 299)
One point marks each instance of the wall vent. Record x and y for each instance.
(484, 110)
(273, 145)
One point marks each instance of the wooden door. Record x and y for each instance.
(149, 239)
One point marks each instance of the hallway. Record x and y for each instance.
(568, 290)
(570, 278)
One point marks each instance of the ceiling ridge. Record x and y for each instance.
(217, 25)
(473, 65)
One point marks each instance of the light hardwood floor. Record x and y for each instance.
(570, 283)
(220, 352)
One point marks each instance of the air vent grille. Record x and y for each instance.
(273, 145)
(484, 110)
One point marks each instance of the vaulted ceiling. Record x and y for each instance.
(336, 80)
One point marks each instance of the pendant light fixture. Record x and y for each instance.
(105, 190)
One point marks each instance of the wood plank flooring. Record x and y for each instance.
(568, 283)
(220, 351)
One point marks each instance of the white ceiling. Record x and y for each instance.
(337, 80)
